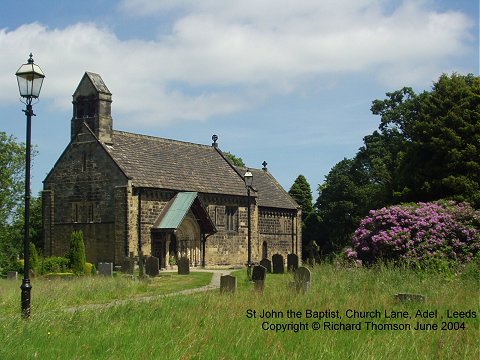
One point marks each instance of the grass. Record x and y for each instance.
(216, 326)
(57, 293)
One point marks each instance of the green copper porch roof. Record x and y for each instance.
(177, 209)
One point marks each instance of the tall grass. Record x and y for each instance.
(215, 326)
(51, 294)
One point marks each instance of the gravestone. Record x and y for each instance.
(258, 276)
(183, 266)
(302, 278)
(292, 262)
(152, 266)
(105, 268)
(267, 264)
(228, 284)
(128, 265)
(12, 275)
(410, 297)
(278, 265)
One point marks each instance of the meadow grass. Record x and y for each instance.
(49, 294)
(211, 325)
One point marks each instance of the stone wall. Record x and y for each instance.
(81, 195)
(230, 247)
(152, 203)
(48, 220)
(281, 232)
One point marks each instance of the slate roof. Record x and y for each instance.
(175, 165)
(269, 192)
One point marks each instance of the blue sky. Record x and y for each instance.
(288, 82)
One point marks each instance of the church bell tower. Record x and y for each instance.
(92, 105)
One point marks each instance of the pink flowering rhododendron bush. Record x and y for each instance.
(418, 232)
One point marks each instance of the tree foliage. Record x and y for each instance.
(237, 161)
(427, 148)
(442, 132)
(302, 193)
(12, 165)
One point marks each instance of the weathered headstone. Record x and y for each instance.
(12, 275)
(259, 275)
(105, 268)
(302, 278)
(410, 297)
(267, 264)
(278, 264)
(292, 262)
(152, 266)
(183, 266)
(228, 284)
(128, 265)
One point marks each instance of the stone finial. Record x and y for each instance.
(264, 166)
(215, 138)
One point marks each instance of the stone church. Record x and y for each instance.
(132, 194)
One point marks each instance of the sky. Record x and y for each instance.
(282, 81)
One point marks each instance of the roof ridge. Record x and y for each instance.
(158, 138)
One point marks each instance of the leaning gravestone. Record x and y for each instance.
(267, 264)
(183, 266)
(152, 266)
(12, 275)
(105, 268)
(258, 276)
(292, 262)
(278, 265)
(302, 277)
(228, 284)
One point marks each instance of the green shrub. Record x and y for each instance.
(90, 269)
(77, 253)
(55, 264)
(34, 262)
(19, 266)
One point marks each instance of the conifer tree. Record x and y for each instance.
(77, 253)
(302, 193)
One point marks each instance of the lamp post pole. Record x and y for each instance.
(30, 79)
(26, 287)
(249, 224)
(248, 178)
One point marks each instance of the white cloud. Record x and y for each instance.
(224, 56)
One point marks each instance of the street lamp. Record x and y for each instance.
(30, 78)
(248, 177)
